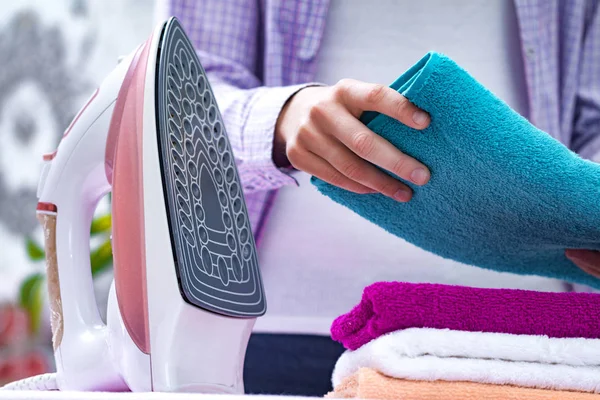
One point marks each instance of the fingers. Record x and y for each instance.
(361, 96)
(323, 137)
(317, 166)
(375, 149)
(358, 170)
(587, 260)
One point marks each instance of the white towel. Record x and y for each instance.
(521, 360)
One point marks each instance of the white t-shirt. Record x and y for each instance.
(316, 256)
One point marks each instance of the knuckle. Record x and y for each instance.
(376, 94)
(318, 110)
(343, 83)
(363, 143)
(305, 134)
(401, 104)
(387, 187)
(400, 166)
(341, 86)
(293, 152)
(304, 128)
(351, 170)
(336, 178)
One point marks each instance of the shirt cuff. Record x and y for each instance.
(258, 168)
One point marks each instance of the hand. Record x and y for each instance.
(319, 132)
(587, 260)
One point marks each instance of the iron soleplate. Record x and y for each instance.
(213, 246)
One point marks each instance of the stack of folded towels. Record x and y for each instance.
(427, 341)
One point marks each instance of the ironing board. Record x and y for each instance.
(31, 395)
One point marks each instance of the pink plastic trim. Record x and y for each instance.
(81, 112)
(124, 170)
(46, 207)
(117, 117)
(49, 156)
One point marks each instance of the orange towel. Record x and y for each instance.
(370, 384)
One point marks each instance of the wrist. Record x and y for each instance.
(285, 125)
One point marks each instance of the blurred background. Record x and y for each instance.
(53, 54)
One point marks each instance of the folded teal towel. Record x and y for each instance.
(503, 195)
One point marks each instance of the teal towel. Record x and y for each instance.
(503, 195)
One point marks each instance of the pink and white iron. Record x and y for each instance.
(187, 287)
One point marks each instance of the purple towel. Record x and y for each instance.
(390, 306)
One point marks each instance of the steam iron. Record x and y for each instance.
(187, 288)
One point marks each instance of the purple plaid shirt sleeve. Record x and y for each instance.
(560, 42)
(586, 125)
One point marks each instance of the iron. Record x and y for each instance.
(187, 287)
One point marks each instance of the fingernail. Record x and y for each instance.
(419, 176)
(402, 195)
(420, 117)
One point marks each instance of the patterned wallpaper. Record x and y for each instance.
(53, 54)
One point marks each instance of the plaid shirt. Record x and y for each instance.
(258, 53)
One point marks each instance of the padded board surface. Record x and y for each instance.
(213, 246)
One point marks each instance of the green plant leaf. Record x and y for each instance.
(101, 258)
(34, 250)
(31, 299)
(101, 224)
